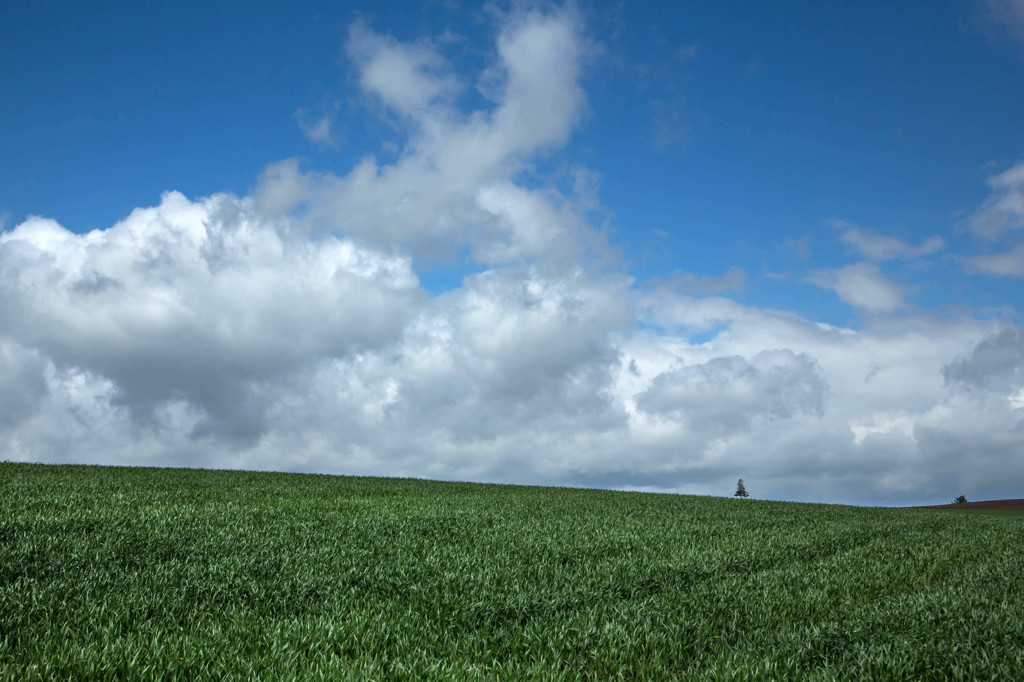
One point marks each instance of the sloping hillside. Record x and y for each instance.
(121, 573)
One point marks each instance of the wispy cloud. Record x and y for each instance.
(687, 52)
(877, 247)
(1009, 13)
(1008, 263)
(734, 279)
(1003, 210)
(862, 285)
(411, 79)
(320, 130)
(996, 221)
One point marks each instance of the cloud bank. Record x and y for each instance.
(289, 330)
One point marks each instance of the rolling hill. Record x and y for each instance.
(132, 573)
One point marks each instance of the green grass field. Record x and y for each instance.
(1005, 513)
(130, 573)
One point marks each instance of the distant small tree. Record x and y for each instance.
(960, 500)
(741, 490)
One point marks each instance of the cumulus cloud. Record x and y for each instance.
(207, 316)
(862, 285)
(22, 382)
(200, 301)
(884, 402)
(726, 394)
(287, 329)
(997, 363)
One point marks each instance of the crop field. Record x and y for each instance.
(131, 573)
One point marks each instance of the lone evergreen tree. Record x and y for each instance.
(741, 490)
(960, 500)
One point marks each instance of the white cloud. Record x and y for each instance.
(1003, 211)
(882, 391)
(282, 187)
(516, 376)
(22, 382)
(319, 130)
(411, 79)
(882, 248)
(861, 285)
(1001, 214)
(448, 190)
(200, 301)
(1002, 264)
(725, 394)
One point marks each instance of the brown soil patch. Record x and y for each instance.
(987, 504)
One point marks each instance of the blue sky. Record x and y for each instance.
(708, 182)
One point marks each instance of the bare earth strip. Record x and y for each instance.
(986, 504)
